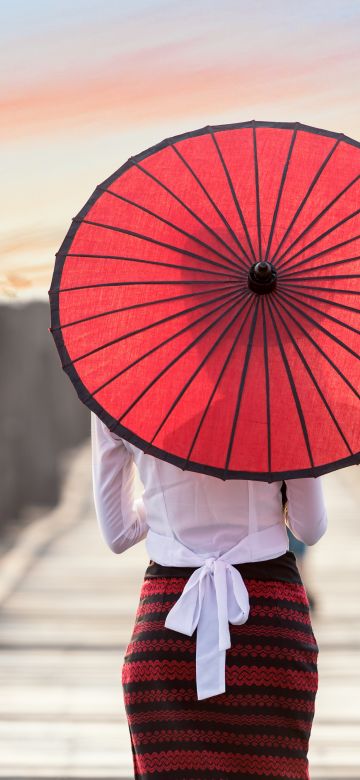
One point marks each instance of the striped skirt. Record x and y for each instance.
(260, 726)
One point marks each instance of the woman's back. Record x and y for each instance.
(204, 513)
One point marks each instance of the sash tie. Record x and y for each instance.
(214, 596)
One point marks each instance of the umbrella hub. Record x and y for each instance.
(262, 277)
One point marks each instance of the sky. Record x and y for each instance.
(85, 85)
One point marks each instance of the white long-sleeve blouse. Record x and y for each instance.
(192, 519)
(204, 513)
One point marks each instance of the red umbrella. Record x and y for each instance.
(204, 301)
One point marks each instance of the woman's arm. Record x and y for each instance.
(306, 516)
(121, 518)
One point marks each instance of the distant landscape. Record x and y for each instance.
(41, 415)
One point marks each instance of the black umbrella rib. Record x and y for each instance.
(314, 381)
(319, 238)
(322, 278)
(172, 225)
(145, 262)
(305, 198)
(141, 306)
(292, 386)
(138, 284)
(327, 332)
(321, 253)
(188, 209)
(318, 217)
(257, 190)
(150, 240)
(321, 300)
(233, 193)
(211, 200)
(267, 384)
(217, 383)
(318, 311)
(147, 327)
(175, 360)
(158, 346)
(315, 344)
(193, 376)
(281, 188)
(297, 286)
(297, 274)
(242, 383)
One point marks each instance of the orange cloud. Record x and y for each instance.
(27, 240)
(13, 282)
(133, 91)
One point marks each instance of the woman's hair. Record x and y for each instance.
(284, 497)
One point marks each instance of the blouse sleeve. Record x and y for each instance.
(306, 516)
(121, 517)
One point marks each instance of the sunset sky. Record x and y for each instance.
(87, 84)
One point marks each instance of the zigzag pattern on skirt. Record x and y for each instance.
(260, 726)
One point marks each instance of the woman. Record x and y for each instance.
(205, 697)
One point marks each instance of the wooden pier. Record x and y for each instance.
(67, 606)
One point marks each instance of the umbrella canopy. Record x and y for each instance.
(204, 301)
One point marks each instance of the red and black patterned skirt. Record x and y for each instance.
(260, 726)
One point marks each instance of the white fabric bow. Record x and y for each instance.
(214, 595)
